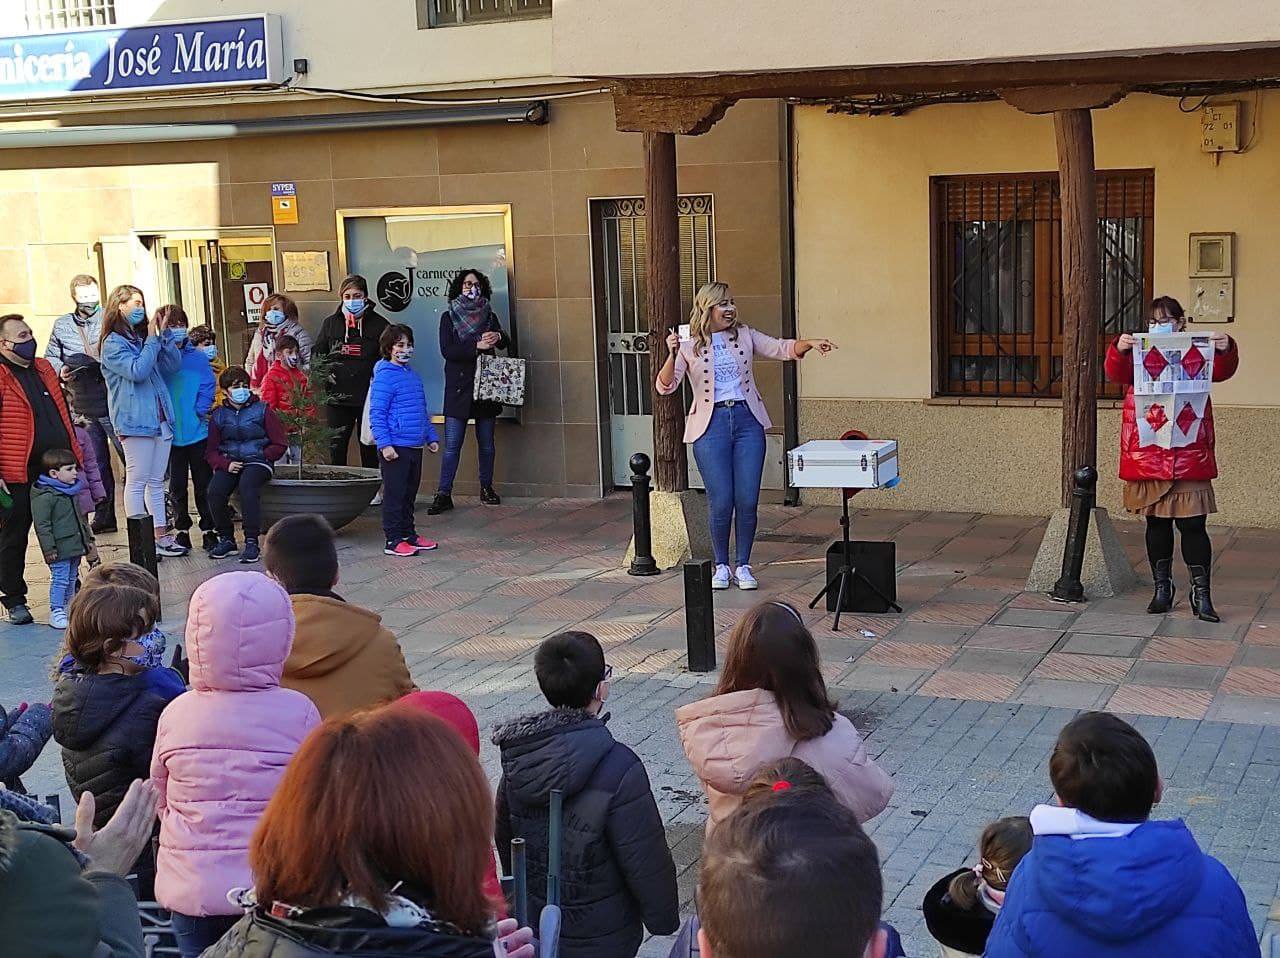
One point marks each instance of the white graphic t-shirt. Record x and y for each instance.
(728, 378)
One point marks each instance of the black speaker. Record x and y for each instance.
(876, 561)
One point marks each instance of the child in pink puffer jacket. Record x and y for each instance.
(222, 749)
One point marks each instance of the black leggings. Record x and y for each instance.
(1196, 549)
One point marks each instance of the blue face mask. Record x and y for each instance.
(153, 644)
(176, 336)
(354, 306)
(274, 317)
(1162, 329)
(137, 315)
(239, 395)
(210, 350)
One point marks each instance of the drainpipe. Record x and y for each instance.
(535, 112)
(790, 373)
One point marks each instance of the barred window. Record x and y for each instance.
(44, 16)
(448, 13)
(998, 276)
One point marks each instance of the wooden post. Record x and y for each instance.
(662, 272)
(1080, 300)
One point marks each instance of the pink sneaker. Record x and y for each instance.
(421, 544)
(402, 549)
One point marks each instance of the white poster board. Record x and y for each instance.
(255, 294)
(1172, 376)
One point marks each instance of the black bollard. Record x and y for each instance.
(520, 874)
(142, 544)
(1068, 588)
(699, 616)
(642, 563)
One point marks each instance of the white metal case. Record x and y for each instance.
(844, 464)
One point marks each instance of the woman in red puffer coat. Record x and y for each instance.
(1171, 486)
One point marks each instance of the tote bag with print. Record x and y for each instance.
(500, 379)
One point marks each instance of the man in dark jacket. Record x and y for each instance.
(618, 876)
(72, 351)
(350, 337)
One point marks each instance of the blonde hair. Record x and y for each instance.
(710, 296)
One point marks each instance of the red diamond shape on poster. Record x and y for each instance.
(1155, 363)
(1186, 418)
(1156, 417)
(1193, 362)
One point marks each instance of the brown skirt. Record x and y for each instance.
(1170, 499)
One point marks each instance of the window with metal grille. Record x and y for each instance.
(449, 13)
(47, 15)
(998, 276)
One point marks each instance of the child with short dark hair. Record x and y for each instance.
(206, 340)
(401, 428)
(60, 526)
(192, 389)
(618, 874)
(284, 377)
(343, 658)
(1104, 880)
(245, 439)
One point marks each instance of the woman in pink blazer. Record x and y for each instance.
(727, 420)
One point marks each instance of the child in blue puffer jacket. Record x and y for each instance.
(401, 427)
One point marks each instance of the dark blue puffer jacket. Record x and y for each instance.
(398, 414)
(242, 431)
(1153, 893)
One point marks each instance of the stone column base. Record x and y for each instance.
(1107, 570)
(680, 529)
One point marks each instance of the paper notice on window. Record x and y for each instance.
(306, 270)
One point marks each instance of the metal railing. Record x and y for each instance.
(450, 13)
(47, 15)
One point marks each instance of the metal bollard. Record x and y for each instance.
(520, 874)
(643, 562)
(142, 543)
(1068, 588)
(699, 616)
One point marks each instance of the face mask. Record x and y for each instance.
(1161, 329)
(274, 317)
(153, 644)
(210, 350)
(177, 336)
(137, 315)
(354, 307)
(471, 292)
(25, 351)
(290, 361)
(86, 310)
(239, 395)
(402, 354)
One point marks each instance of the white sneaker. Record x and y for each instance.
(746, 581)
(377, 497)
(720, 577)
(57, 618)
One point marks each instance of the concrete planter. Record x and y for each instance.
(340, 500)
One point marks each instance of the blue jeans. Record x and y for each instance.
(730, 456)
(62, 582)
(455, 431)
(195, 934)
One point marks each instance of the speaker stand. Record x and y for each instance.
(847, 574)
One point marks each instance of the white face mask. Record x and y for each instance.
(87, 296)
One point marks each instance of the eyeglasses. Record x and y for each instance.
(608, 673)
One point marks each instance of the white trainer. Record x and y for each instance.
(720, 577)
(746, 581)
(57, 618)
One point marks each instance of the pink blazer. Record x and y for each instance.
(699, 366)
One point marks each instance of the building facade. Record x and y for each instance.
(418, 137)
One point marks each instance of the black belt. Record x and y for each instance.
(730, 403)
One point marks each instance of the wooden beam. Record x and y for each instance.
(688, 116)
(1080, 302)
(662, 275)
(962, 77)
(1052, 99)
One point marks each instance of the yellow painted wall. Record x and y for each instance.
(863, 279)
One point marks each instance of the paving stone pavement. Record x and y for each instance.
(961, 697)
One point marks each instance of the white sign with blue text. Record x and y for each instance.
(235, 51)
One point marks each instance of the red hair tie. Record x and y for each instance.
(781, 785)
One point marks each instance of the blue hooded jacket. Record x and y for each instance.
(1152, 894)
(191, 389)
(398, 414)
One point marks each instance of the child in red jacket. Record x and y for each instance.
(278, 385)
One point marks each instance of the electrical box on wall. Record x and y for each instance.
(1211, 268)
(1220, 128)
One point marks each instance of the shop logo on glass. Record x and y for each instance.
(395, 291)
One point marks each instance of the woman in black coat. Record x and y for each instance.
(467, 328)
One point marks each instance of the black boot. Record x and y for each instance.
(1201, 600)
(443, 502)
(489, 497)
(1162, 573)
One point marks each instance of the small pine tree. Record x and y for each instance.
(304, 421)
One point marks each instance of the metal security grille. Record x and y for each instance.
(46, 15)
(447, 13)
(998, 272)
(620, 251)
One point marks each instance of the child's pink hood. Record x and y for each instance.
(239, 632)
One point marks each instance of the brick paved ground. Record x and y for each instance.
(962, 695)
